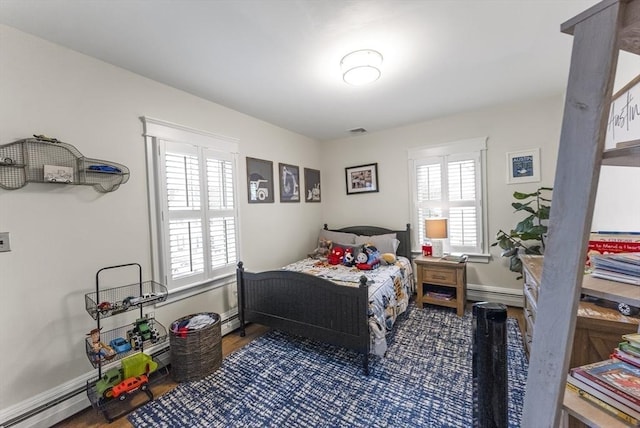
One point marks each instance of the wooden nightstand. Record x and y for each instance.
(438, 277)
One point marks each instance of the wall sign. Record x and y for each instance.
(523, 166)
(624, 116)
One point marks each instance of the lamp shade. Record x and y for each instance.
(435, 228)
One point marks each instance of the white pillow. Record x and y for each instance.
(338, 237)
(387, 243)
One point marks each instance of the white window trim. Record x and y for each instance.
(461, 146)
(154, 130)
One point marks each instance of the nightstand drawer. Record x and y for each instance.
(436, 275)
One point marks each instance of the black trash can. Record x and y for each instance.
(490, 399)
(196, 346)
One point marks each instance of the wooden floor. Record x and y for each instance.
(230, 343)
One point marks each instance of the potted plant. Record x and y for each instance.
(529, 234)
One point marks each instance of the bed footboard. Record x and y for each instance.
(307, 306)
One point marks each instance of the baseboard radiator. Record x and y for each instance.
(488, 293)
(59, 403)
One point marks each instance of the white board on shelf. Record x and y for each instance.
(624, 115)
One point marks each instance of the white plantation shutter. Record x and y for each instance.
(195, 205)
(185, 247)
(183, 181)
(448, 183)
(429, 189)
(222, 224)
(463, 190)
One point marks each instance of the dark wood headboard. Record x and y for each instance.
(404, 236)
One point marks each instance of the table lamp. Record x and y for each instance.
(435, 229)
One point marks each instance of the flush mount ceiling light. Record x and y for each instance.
(361, 67)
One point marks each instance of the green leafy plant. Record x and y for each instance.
(529, 234)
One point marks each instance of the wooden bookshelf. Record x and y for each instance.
(611, 290)
(588, 413)
(598, 34)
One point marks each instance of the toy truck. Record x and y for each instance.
(132, 366)
(142, 331)
(127, 386)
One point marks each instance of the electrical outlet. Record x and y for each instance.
(4, 242)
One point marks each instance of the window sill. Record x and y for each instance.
(471, 258)
(198, 288)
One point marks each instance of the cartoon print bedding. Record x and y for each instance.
(389, 289)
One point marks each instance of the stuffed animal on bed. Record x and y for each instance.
(335, 256)
(323, 250)
(349, 258)
(388, 259)
(368, 258)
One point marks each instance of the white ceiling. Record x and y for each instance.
(278, 60)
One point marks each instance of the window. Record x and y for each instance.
(448, 181)
(192, 180)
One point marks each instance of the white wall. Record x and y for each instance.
(532, 124)
(62, 235)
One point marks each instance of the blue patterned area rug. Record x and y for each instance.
(285, 381)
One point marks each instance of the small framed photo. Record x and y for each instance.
(289, 182)
(523, 166)
(259, 181)
(362, 179)
(312, 185)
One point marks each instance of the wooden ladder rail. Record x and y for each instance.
(590, 84)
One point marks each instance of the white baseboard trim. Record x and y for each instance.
(489, 293)
(13, 415)
(54, 413)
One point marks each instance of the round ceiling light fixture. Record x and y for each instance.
(361, 67)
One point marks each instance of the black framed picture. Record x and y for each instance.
(289, 182)
(259, 181)
(362, 178)
(312, 185)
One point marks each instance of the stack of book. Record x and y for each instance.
(622, 267)
(440, 295)
(613, 384)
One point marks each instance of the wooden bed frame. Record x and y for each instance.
(313, 307)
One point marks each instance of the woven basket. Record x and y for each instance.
(195, 353)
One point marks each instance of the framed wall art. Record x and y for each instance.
(289, 182)
(523, 166)
(362, 179)
(259, 181)
(312, 185)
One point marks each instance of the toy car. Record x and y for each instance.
(104, 307)
(142, 331)
(104, 168)
(131, 300)
(120, 345)
(129, 385)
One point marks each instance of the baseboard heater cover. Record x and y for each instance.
(489, 293)
(57, 404)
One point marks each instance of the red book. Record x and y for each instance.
(618, 354)
(617, 379)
